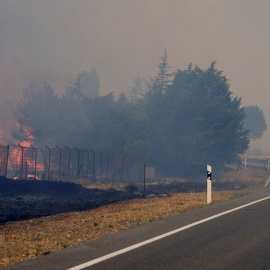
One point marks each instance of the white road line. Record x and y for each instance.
(124, 250)
(267, 182)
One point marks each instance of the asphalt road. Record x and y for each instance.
(235, 240)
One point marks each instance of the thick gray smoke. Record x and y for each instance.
(55, 40)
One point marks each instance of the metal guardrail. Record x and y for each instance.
(260, 163)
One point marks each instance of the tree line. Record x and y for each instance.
(178, 122)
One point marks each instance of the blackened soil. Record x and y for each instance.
(24, 199)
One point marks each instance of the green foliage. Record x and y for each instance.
(162, 79)
(179, 126)
(85, 85)
(255, 122)
(73, 127)
(196, 122)
(115, 122)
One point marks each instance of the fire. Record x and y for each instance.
(22, 159)
(25, 144)
(24, 164)
(27, 166)
(27, 130)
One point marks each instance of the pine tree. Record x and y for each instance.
(163, 78)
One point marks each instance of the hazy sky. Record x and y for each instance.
(54, 40)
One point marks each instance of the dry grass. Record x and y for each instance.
(246, 177)
(22, 240)
(243, 178)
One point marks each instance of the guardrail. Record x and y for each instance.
(253, 162)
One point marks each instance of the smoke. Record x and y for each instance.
(1, 133)
(55, 40)
(7, 121)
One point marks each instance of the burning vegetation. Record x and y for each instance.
(65, 164)
(27, 133)
(171, 124)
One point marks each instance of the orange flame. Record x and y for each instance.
(24, 164)
(29, 162)
(27, 132)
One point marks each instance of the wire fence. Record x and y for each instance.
(3, 160)
(58, 164)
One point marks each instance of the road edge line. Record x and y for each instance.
(156, 238)
(267, 182)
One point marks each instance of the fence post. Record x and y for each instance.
(21, 171)
(68, 159)
(100, 165)
(87, 165)
(60, 159)
(35, 161)
(144, 177)
(94, 165)
(107, 166)
(7, 161)
(49, 161)
(78, 161)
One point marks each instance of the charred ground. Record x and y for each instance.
(25, 199)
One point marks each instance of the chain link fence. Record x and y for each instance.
(63, 163)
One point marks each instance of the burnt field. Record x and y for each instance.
(25, 199)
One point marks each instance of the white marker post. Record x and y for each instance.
(209, 184)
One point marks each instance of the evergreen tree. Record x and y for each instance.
(180, 125)
(196, 122)
(255, 122)
(162, 79)
(85, 85)
(116, 122)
